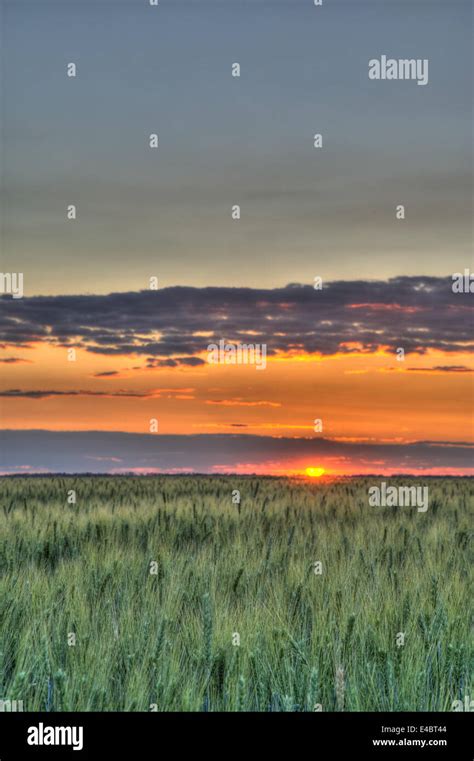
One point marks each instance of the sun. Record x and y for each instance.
(315, 472)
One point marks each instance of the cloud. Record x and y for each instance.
(172, 326)
(241, 403)
(103, 459)
(175, 362)
(16, 393)
(106, 374)
(441, 369)
(14, 360)
(77, 452)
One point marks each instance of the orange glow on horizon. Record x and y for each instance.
(363, 397)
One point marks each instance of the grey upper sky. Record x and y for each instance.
(225, 141)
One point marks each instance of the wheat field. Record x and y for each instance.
(168, 594)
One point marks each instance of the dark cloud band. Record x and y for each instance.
(173, 325)
(87, 451)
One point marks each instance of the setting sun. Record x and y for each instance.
(315, 472)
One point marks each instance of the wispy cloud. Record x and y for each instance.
(242, 403)
(14, 360)
(441, 369)
(16, 393)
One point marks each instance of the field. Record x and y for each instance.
(162, 593)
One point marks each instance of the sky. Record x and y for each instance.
(306, 212)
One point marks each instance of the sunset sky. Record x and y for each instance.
(306, 212)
